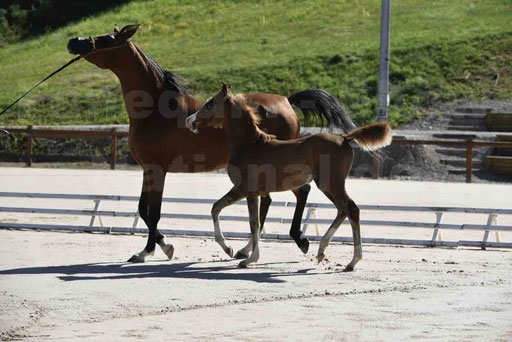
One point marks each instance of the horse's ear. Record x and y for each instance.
(116, 29)
(226, 89)
(127, 32)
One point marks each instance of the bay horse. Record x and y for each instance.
(158, 105)
(260, 164)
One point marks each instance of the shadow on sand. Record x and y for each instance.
(188, 270)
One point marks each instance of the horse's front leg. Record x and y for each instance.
(252, 204)
(231, 197)
(150, 205)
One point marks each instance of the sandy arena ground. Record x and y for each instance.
(76, 286)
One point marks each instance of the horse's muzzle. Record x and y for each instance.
(79, 46)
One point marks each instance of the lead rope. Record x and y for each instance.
(47, 77)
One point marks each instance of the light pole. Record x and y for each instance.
(383, 91)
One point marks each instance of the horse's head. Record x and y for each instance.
(104, 50)
(212, 113)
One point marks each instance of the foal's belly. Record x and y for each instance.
(266, 178)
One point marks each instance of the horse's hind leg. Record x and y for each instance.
(295, 232)
(252, 204)
(231, 197)
(264, 206)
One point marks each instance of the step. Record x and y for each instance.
(453, 151)
(460, 162)
(466, 127)
(473, 110)
(467, 116)
(461, 171)
(454, 136)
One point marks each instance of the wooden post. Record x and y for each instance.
(113, 149)
(28, 152)
(469, 160)
(376, 168)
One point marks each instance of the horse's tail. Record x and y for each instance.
(371, 137)
(320, 104)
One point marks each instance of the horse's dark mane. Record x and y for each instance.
(172, 81)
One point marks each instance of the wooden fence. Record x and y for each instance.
(33, 133)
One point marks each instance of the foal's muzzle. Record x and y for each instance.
(191, 123)
(80, 46)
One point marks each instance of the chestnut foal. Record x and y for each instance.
(260, 164)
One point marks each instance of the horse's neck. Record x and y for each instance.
(143, 88)
(135, 73)
(242, 133)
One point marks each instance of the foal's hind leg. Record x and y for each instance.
(346, 206)
(326, 239)
(264, 206)
(252, 204)
(353, 215)
(231, 197)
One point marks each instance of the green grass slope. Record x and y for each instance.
(441, 50)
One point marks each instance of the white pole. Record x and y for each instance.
(383, 95)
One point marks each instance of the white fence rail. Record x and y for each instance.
(311, 219)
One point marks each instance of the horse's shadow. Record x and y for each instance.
(187, 270)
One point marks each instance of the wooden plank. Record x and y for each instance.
(500, 165)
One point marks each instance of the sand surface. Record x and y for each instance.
(77, 286)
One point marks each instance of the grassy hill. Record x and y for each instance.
(441, 50)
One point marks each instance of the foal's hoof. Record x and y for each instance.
(229, 251)
(241, 255)
(136, 259)
(168, 250)
(320, 257)
(304, 245)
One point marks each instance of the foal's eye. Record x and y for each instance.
(209, 105)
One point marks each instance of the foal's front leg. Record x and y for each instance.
(253, 204)
(231, 197)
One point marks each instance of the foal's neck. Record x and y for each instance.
(242, 129)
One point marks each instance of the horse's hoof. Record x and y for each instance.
(136, 259)
(304, 246)
(241, 255)
(320, 257)
(168, 250)
(242, 264)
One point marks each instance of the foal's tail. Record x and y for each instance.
(371, 137)
(320, 104)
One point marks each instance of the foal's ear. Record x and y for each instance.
(226, 89)
(116, 29)
(127, 32)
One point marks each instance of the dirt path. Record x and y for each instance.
(77, 286)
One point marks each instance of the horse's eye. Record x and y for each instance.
(209, 105)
